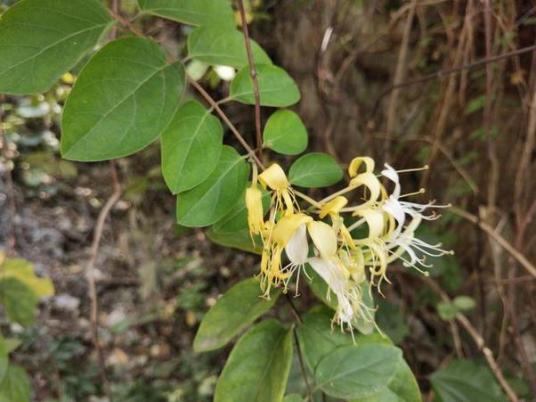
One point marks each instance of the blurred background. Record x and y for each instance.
(446, 83)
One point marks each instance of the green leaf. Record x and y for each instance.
(19, 301)
(240, 240)
(392, 321)
(237, 219)
(466, 381)
(193, 12)
(285, 133)
(122, 101)
(209, 202)
(464, 303)
(233, 231)
(15, 387)
(4, 358)
(320, 290)
(276, 87)
(402, 388)
(220, 46)
(191, 147)
(318, 340)
(258, 367)
(42, 39)
(315, 170)
(293, 398)
(447, 311)
(238, 308)
(23, 270)
(351, 372)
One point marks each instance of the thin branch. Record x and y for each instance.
(253, 74)
(400, 72)
(90, 274)
(525, 263)
(224, 117)
(454, 70)
(477, 338)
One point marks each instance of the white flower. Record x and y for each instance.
(402, 239)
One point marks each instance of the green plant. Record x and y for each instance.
(20, 291)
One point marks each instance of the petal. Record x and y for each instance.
(324, 238)
(297, 248)
(328, 270)
(392, 175)
(333, 207)
(287, 226)
(375, 221)
(356, 163)
(370, 181)
(274, 177)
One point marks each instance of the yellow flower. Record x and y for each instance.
(324, 238)
(275, 179)
(255, 210)
(357, 162)
(278, 239)
(333, 207)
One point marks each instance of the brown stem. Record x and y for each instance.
(454, 70)
(224, 117)
(90, 275)
(520, 258)
(253, 74)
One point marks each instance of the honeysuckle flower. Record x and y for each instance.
(254, 210)
(356, 163)
(416, 249)
(348, 263)
(277, 240)
(324, 238)
(275, 179)
(333, 207)
(403, 239)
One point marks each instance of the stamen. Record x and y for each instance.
(425, 167)
(420, 191)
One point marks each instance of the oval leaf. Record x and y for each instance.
(191, 147)
(220, 46)
(258, 367)
(402, 388)
(315, 170)
(466, 381)
(276, 87)
(355, 371)
(318, 340)
(232, 230)
(193, 12)
(285, 133)
(240, 240)
(122, 101)
(209, 202)
(19, 301)
(42, 39)
(15, 387)
(235, 310)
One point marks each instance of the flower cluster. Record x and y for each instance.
(347, 238)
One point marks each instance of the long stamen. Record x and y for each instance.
(425, 167)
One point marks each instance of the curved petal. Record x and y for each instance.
(297, 248)
(324, 238)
